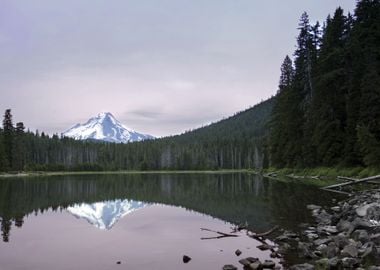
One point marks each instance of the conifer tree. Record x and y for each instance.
(363, 57)
(8, 136)
(280, 119)
(328, 106)
(19, 149)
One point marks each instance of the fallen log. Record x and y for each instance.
(363, 180)
(337, 191)
(256, 235)
(347, 178)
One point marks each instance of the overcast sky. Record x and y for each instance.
(160, 66)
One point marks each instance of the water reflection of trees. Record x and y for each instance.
(231, 197)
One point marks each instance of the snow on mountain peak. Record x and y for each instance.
(104, 215)
(105, 127)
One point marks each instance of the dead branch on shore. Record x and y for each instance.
(353, 181)
(221, 234)
(259, 235)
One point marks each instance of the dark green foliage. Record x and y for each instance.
(328, 105)
(8, 137)
(284, 113)
(337, 85)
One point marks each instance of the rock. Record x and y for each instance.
(361, 211)
(319, 242)
(238, 252)
(265, 247)
(350, 250)
(305, 266)
(360, 223)
(313, 207)
(255, 265)
(229, 267)
(349, 262)
(324, 218)
(274, 255)
(375, 238)
(252, 260)
(374, 267)
(332, 250)
(343, 225)
(333, 263)
(346, 207)
(247, 261)
(318, 253)
(304, 250)
(312, 236)
(361, 235)
(366, 249)
(268, 264)
(315, 212)
(329, 229)
(373, 213)
(340, 240)
(335, 208)
(322, 248)
(186, 259)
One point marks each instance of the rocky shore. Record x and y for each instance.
(346, 236)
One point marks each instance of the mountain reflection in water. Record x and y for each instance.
(104, 215)
(230, 197)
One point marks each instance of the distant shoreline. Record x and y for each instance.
(43, 173)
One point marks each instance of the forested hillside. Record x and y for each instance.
(327, 110)
(233, 143)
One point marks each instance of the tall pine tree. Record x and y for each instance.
(328, 105)
(8, 136)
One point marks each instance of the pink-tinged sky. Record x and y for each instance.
(160, 66)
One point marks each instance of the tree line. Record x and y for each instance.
(327, 110)
(232, 143)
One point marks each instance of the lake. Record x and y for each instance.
(143, 221)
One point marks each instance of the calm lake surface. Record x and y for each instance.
(146, 221)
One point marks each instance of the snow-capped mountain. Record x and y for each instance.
(104, 215)
(105, 127)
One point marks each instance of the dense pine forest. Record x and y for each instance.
(327, 110)
(326, 113)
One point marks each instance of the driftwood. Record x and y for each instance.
(259, 235)
(337, 191)
(221, 234)
(347, 178)
(352, 181)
